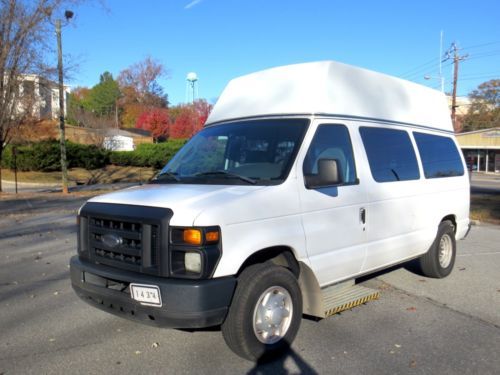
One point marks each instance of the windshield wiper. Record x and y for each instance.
(169, 174)
(227, 174)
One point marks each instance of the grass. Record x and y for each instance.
(485, 207)
(80, 176)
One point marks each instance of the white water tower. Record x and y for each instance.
(191, 87)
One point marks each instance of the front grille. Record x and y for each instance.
(118, 256)
(129, 237)
(155, 245)
(116, 242)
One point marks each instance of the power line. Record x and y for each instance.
(482, 45)
(413, 71)
(485, 54)
(481, 77)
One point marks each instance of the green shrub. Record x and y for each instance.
(147, 154)
(123, 158)
(6, 157)
(45, 156)
(86, 156)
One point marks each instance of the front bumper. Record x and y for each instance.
(186, 303)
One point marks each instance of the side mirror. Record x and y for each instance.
(329, 174)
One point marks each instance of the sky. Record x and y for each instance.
(223, 39)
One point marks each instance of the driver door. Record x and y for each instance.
(333, 216)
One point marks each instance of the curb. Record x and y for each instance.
(31, 184)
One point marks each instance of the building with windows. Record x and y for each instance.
(481, 149)
(41, 96)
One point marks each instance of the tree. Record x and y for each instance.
(484, 111)
(139, 83)
(202, 109)
(102, 98)
(25, 32)
(156, 121)
(183, 123)
(76, 100)
(130, 112)
(96, 107)
(186, 120)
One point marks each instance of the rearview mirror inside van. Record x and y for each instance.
(329, 174)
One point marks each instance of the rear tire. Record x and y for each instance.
(438, 262)
(265, 313)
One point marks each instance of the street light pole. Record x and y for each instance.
(62, 132)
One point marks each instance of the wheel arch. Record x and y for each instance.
(312, 300)
(453, 219)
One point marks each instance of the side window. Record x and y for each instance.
(390, 154)
(331, 142)
(440, 157)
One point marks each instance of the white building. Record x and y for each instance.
(118, 142)
(41, 95)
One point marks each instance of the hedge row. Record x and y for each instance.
(148, 155)
(45, 156)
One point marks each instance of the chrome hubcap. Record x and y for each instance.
(272, 315)
(445, 251)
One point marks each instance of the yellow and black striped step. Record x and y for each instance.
(345, 296)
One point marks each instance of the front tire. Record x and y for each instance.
(438, 262)
(265, 313)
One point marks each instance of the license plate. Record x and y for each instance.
(146, 294)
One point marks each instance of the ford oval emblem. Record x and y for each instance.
(112, 240)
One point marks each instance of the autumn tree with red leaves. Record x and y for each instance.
(187, 120)
(156, 121)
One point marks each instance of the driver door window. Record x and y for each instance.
(331, 142)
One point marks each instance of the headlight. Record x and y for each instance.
(194, 252)
(192, 262)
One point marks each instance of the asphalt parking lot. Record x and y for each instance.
(418, 325)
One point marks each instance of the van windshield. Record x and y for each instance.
(256, 152)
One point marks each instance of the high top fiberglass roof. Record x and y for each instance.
(332, 88)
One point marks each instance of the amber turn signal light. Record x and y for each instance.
(192, 236)
(212, 237)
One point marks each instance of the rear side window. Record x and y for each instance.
(440, 157)
(390, 154)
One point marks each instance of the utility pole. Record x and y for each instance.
(62, 134)
(452, 53)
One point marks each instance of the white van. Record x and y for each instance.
(304, 178)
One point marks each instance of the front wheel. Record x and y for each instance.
(438, 262)
(265, 313)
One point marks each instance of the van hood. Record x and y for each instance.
(185, 200)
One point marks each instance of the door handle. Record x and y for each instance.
(362, 215)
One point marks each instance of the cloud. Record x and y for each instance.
(192, 4)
